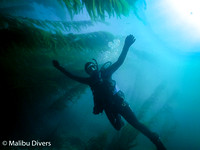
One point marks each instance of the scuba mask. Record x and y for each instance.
(90, 67)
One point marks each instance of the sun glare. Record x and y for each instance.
(188, 11)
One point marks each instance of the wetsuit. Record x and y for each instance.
(109, 98)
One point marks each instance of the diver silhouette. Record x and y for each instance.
(107, 97)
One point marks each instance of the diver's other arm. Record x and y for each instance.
(128, 42)
(74, 77)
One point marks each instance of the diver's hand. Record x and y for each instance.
(56, 63)
(130, 39)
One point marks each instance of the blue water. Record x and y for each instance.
(166, 51)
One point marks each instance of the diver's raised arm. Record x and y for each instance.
(128, 42)
(74, 77)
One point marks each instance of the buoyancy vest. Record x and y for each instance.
(103, 90)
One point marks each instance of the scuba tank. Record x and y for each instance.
(104, 66)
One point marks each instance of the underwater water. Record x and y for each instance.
(160, 76)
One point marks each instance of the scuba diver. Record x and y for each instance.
(107, 96)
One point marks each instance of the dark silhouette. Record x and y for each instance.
(108, 97)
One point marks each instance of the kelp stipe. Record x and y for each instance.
(27, 51)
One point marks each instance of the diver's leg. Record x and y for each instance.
(130, 117)
(115, 119)
(119, 121)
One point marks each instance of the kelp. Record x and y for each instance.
(98, 142)
(52, 26)
(97, 9)
(126, 139)
(164, 118)
(151, 100)
(62, 141)
(30, 86)
(69, 95)
(101, 8)
(26, 58)
(68, 143)
(23, 33)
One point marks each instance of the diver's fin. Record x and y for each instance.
(157, 141)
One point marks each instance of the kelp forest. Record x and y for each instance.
(38, 102)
